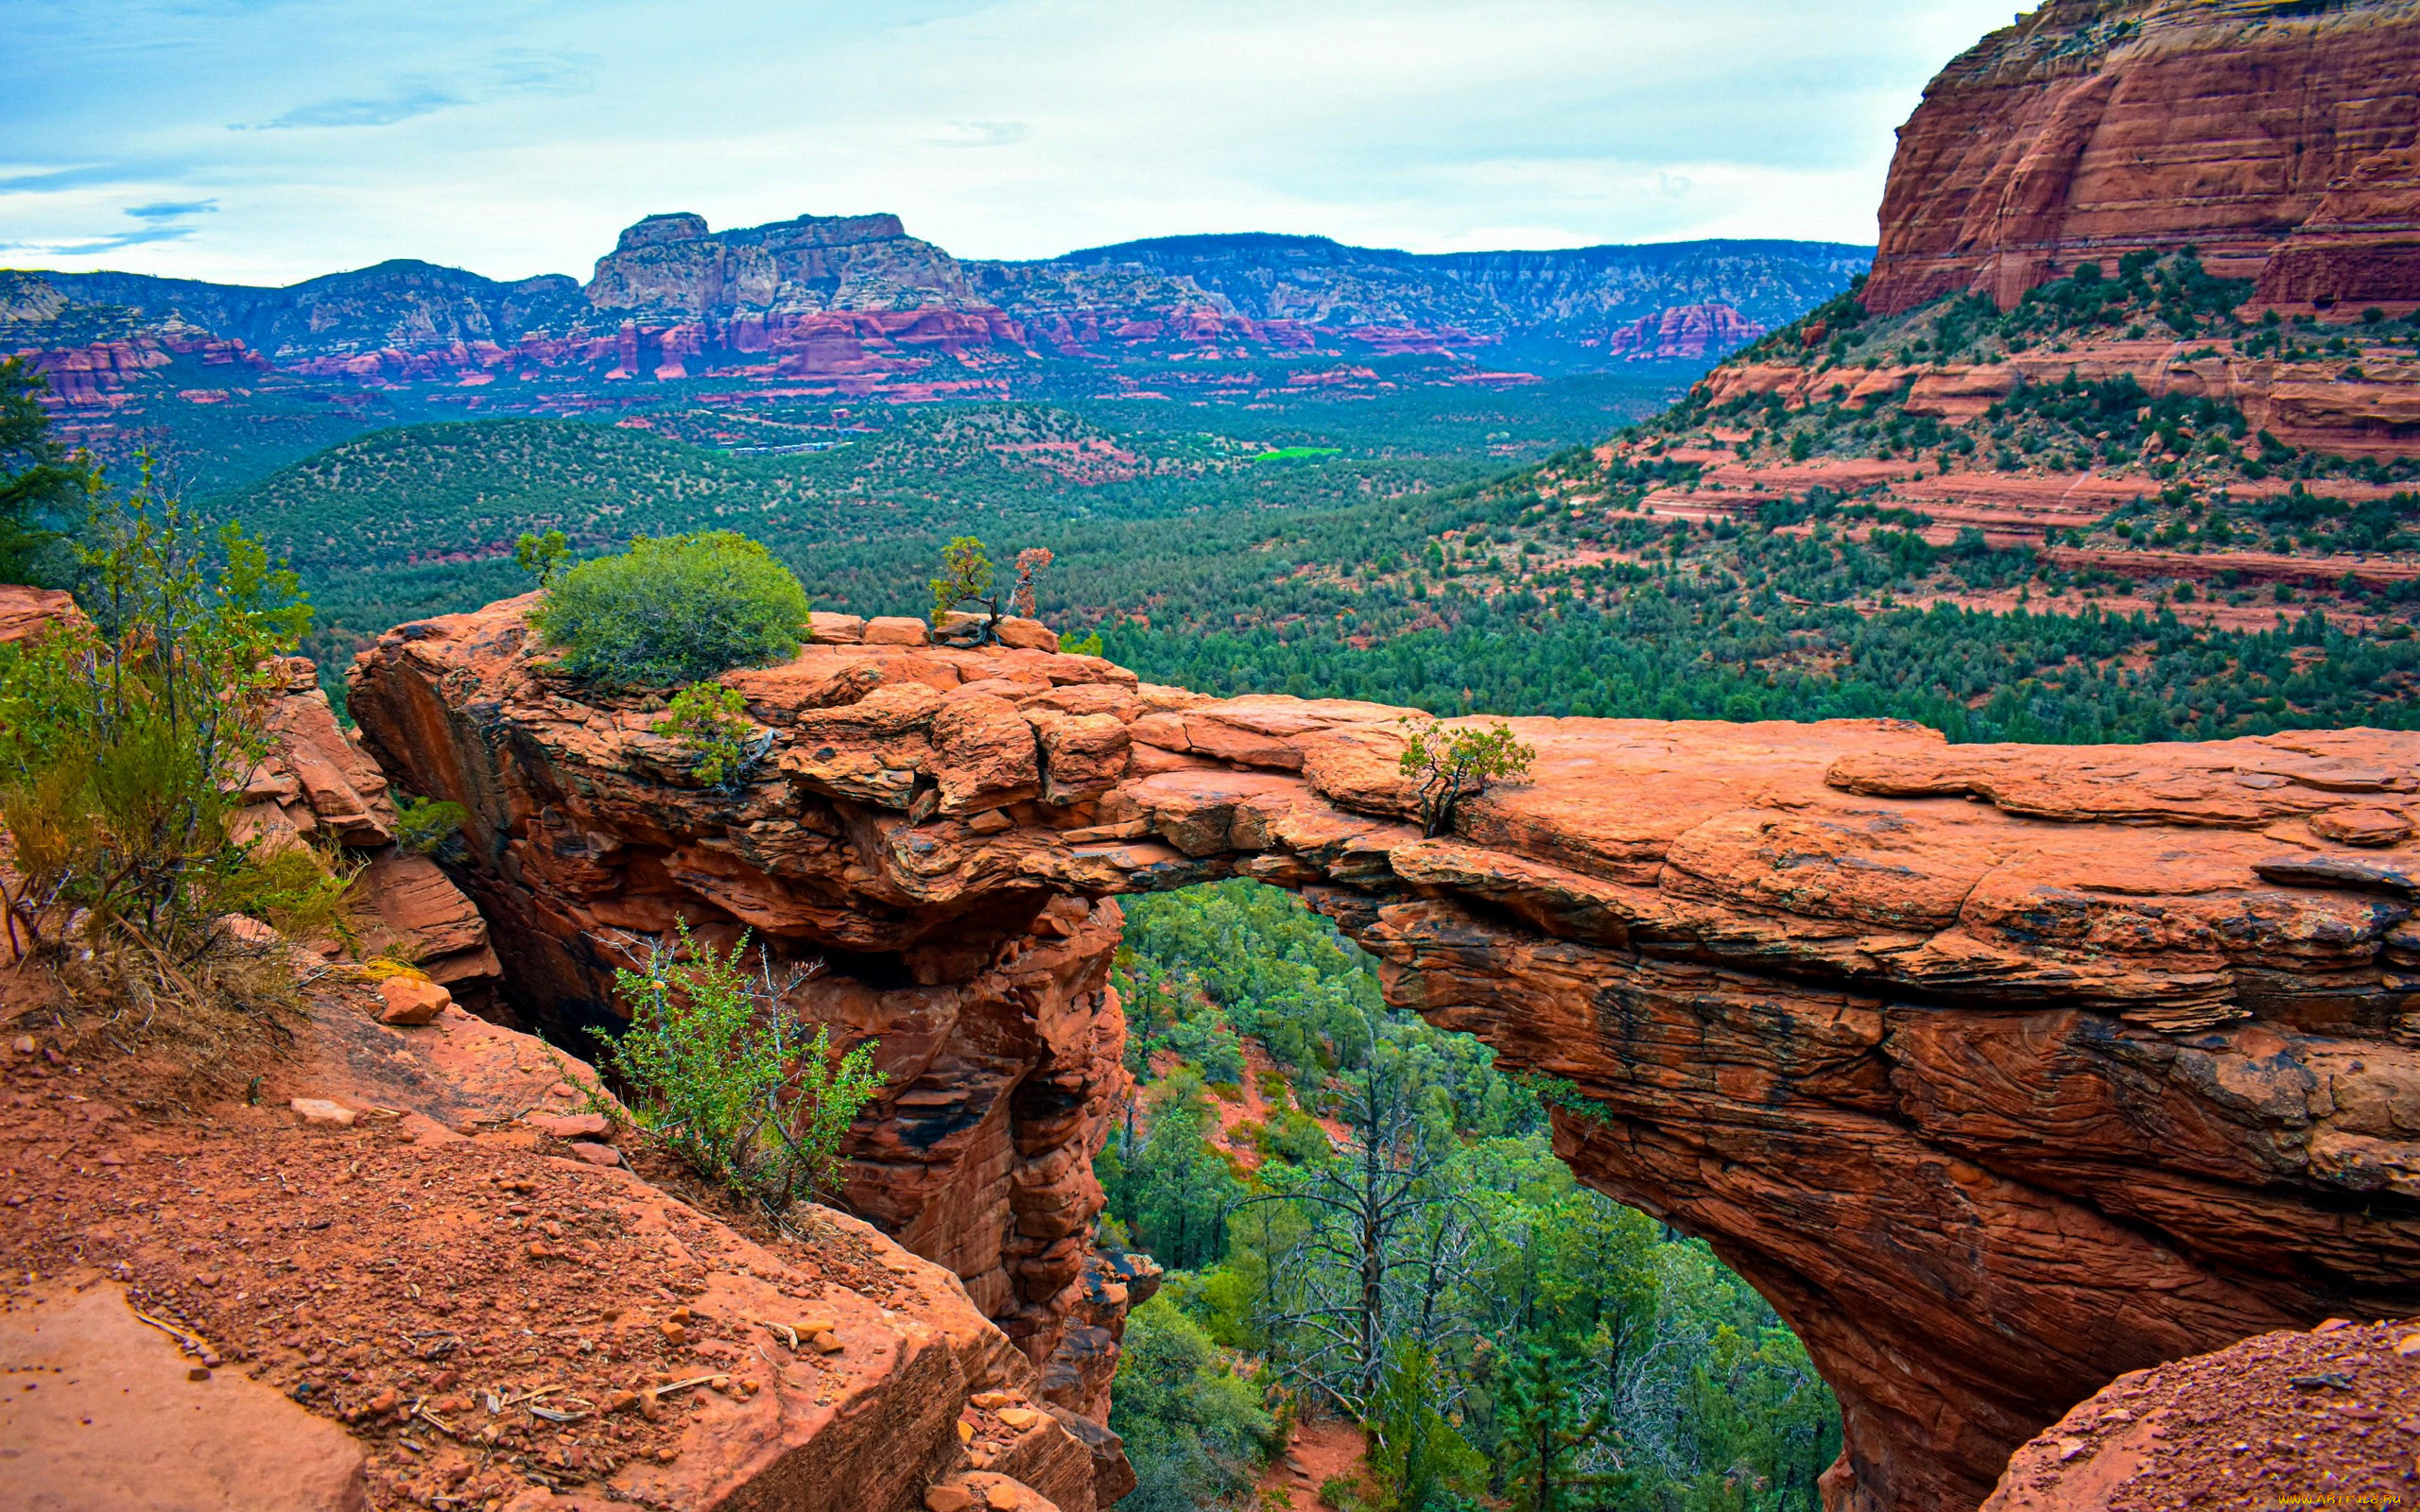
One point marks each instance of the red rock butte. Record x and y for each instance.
(2276, 136)
(2002, 1071)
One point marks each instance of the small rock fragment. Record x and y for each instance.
(570, 1126)
(597, 1154)
(412, 1001)
(2408, 1346)
(199, 1373)
(1019, 1418)
(1002, 1496)
(947, 1498)
(827, 1344)
(674, 1333)
(320, 1111)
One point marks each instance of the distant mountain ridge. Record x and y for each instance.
(739, 288)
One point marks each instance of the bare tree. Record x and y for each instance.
(1385, 1246)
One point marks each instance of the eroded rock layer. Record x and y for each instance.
(2002, 1071)
(2275, 136)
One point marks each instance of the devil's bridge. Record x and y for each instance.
(1999, 1070)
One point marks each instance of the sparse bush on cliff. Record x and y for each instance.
(542, 556)
(674, 609)
(125, 743)
(719, 1070)
(966, 578)
(426, 825)
(707, 720)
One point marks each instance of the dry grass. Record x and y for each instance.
(209, 1021)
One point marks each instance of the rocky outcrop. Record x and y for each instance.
(2284, 1419)
(671, 265)
(2095, 127)
(2303, 401)
(998, 1033)
(2002, 1071)
(1689, 330)
(405, 1269)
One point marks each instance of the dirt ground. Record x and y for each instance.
(484, 1314)
(1320, 1449)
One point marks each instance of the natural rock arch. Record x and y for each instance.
(1999, 1070)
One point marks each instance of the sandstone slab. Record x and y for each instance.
(102, 1411)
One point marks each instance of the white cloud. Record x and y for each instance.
(516, 136)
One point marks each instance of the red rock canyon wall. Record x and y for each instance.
(2275, 135)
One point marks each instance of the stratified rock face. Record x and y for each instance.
(1689, 330)
(998, 1032)
(2095, 127)
(2002, 1071)
(671, 265)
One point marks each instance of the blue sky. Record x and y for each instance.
(266, 141)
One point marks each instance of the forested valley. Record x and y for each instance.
(1364, 1219)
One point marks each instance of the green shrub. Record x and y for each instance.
(721, 1074)
(425, 825)
(125, 742)
(542, 556)
(673, 609)
(706, 720)
(1195, 1431)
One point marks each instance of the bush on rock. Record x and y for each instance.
(674, 609)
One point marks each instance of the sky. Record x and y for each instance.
(270, 140)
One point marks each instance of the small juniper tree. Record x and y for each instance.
(966, 578)
(1448, 765)
(542, 556)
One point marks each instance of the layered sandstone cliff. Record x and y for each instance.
(2275, 136)
(2002, 1071)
